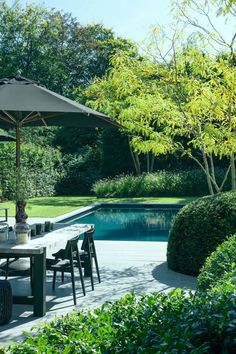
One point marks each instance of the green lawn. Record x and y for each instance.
(55, 206)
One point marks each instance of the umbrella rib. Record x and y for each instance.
(35, 117)
(11, 119)
(29, 117)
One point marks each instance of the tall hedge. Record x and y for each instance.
(197, 230)
(159, 184)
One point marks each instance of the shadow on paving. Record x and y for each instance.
(173, 279)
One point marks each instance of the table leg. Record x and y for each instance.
(39, 278)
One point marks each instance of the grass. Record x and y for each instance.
(51, 207)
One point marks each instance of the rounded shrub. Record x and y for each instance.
(197, 230)
(219, 267)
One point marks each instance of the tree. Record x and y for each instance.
(192, 96)
(130, 91)
(205, 94)
(53, 48)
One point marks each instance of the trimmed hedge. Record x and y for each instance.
(197, 230)
(219, 267)
(159, 184)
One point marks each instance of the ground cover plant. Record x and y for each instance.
(155, 323)
(198, 229)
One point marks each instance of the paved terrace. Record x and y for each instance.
(125, 266)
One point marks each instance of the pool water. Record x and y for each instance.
(129, 224)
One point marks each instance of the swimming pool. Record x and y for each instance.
(129, 223)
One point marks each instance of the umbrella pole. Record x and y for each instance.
(18, 176)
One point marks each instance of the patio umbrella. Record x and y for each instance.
(24, 102)
(6, 137)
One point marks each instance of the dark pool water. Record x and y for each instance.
(129, 224)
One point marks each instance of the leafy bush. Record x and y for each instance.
(197, 230)
(80, 172)
(220, 266)
(160, 184)
(155, 323)
(39, 170)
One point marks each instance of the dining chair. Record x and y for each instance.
(88, 253)
(65, 261)
(18, 267)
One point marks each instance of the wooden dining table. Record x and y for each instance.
(4, 217)
(39, 248)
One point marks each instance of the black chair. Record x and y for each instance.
(87, 254)
(66, 261)
(18, 267)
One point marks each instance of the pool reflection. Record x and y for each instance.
(130, 224)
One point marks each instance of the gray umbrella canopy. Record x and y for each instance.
(24, 102)
(6, 137)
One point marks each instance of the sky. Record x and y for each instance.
(131, 19)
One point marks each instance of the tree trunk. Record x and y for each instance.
(233, 174)
(213, 176)
(207, 171)
(148, 163)
(135, 159)
(152, 163)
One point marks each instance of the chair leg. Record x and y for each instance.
(91, 275)
(81, 274)
(73, 281)
(7, 268)
(54, 280)
(96, 265)
(90, 264)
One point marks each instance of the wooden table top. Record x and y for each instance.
(51, 240)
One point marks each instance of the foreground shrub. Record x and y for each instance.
(159, 184)
(155, 323)
(219, 267)
(197, 230)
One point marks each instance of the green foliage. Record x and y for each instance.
(190, 97)
(40, 167)
(155, 323)
(219, 267)
(162, 183)
(115, 153)
(80, 172)
(52, 47)
(71, 140)
(198, 229)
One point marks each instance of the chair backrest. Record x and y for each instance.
(88, 241)
(72, 247)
